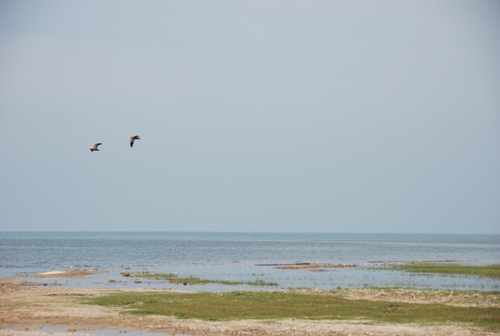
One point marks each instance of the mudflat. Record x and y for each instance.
(26, 307)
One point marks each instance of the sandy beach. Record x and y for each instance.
(26, 308)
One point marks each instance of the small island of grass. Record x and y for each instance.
(490, 271)
(175, 279)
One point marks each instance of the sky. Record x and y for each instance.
(254, 116)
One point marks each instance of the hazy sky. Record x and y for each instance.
(330, 116)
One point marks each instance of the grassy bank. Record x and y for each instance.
(175, 279)
(490, 271)
(279, 305)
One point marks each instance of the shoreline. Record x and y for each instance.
(27, 307)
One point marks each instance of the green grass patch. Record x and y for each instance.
(270, 306)
(490, 271)
(173, 278)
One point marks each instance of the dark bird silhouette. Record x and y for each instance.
(133, 138)
(95, 147)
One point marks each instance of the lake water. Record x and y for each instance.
(247, 257)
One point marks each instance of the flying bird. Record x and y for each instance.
(95, 147)
(133, 138)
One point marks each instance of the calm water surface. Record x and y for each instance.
(236, 256)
